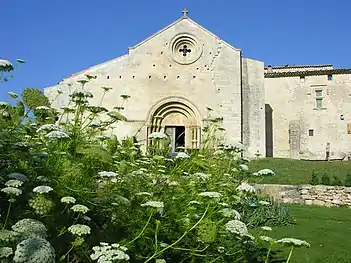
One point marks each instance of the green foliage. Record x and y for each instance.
(336, 181)
(325, 179)
(34, 98)
(348, 180)
(87, 187)
(314, 179)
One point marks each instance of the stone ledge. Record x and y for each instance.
(307, 194)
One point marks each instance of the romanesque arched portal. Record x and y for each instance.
(178, 118)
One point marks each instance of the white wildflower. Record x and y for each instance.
(263, 202)
(106, 253)
(266, 228)
(5, 65)
(265, 172)
(81, 93)
(182, 155)
(4, 105)
(293, 242)
(223, 204)
(267, 239)
(173, 183)
(161, 261)
(57, 135)
(80, 209)
(18, 176)
(236, 227)
(14, 183)
(144, 193)
(202, 176)
(12, 191)
(194, 202)
(42, 189)
(48, 128)
(211, 194)
(158, 135)
(243, 167)
(68, 200)
(95, 124)
(5, 252)
(43, 108)
(227, 212)
(156, 204)
(79, 229)
(245, 187)
(28, 227)
(34, 250)
(107, 174)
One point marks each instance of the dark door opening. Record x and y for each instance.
(269, 130)
(179, 136)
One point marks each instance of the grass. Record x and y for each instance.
(328, 230)
(296, 172)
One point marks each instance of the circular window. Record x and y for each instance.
(185, 49)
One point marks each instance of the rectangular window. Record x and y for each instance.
(310, 132)
(302, 79)
(319, 103)
(349, 128)
(330, 77)
(319, 93)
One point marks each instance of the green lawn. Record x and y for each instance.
(288, 171)
(328, 230)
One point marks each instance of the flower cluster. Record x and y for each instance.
(30, 228)
(80, 209)
(245, 187)
(68, 200)
(158, 135)
(106, 253)
(156, 204)
(236, 227)
(211, 194)
(79, 229)
(34, 250)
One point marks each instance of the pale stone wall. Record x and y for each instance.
(308, 194)
(294, 104)
(253, 107)
(149, 74)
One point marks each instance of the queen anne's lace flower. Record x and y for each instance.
(5, 65)
(68, 200)
(158, 135)
(202, 176)
(5, 252)
(156, 204)
(106, 253)
(182, 155)
(144, 193)
(34, 250)
(8, 235)
(81, 93)
(236, 227)
(41, 205)
(18, 176)
(245, 187)
(14, 183)
(107, 174)
(43, 108)
(48, 128)
(79, 229)
(194, 202)
(265, 172)
(12, 94)
(57, 135)
(267, 239)
(266, 228)
(227, 212)
(173, 183)
(12, 191)
(42, 189)
(244, 167)
(80, 209)
(211, 194)
(263, 202)
(30, 228)
(293, 242)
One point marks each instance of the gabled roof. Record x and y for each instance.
(178, 21)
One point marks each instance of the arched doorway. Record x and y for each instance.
(178, 118)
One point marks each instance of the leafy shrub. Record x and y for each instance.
(348, 180)
(85, 195)
(336, 181)
(314, 179)
(325, 179)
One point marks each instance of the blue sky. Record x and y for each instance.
(58, 38)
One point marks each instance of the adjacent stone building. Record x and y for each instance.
(176, 74)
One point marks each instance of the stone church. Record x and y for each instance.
(172, 77)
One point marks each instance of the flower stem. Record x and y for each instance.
(179, 239)
(7, 215)
(289, 257)
(267, 257)
(142, 231)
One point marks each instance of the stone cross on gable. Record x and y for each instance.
(185, 12)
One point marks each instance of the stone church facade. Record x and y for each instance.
(174, 75)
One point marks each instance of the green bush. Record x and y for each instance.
(336, 181)
(325, 179)
(314, 179)
(348, 180)
(76, 194)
